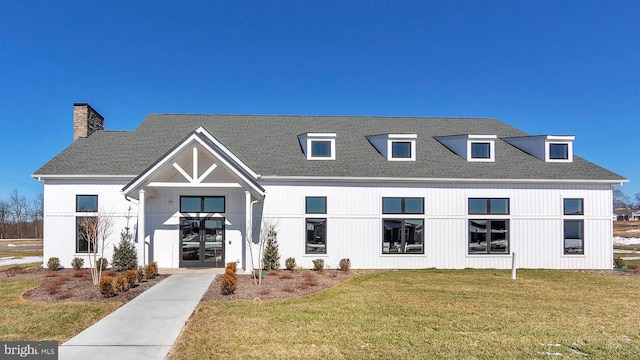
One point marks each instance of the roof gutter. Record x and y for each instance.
(437, 180)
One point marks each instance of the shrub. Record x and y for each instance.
(77, 263)
(271, 256)
(310, 279)
(229, 281)
(132, 277)
(79, 273)
(53, 264)
(140, 272)
(285, 275)
(120, 283)
(318, 265)
(111, 273)
(618, 262)
(124, 255)
(151, 270)
(290, 263)
(102, 264)
(345, 264)
(106, 286)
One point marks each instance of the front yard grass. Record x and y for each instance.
(471, 314)
(27, 320)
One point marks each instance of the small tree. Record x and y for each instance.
(96, 231)
(256, 250)
(124, 255)
(271, 257)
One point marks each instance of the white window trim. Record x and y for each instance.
(562, 141)
(490, 139)
(309, 138)
(410, 138)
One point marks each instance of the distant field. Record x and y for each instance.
(626, 228)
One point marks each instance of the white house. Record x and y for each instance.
(386, 192)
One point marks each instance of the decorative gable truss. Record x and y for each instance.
(199, 160)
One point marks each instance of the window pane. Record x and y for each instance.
(400, 149)
(316, 236)
(480, 150)
(190, 204)
(573, 207)
(320, 148)
(477, 236)
(573, 237)
(478, 206)
(214, 204)
(414, 236)
(499, 237)
(499, 206)
(414, 206)
(86, 228)
(392, 240)
(316, 205)
(558, 151)
(87, 203)
(392, 205)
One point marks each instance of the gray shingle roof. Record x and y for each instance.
(269, 145)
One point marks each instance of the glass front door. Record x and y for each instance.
(202, 242)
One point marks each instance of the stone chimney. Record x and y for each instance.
(86, 120)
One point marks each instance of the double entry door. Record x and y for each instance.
(202, 242)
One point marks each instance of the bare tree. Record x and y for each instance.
(20, 211)
(5, 219)
(96, 230)
(36, 211)
(637, 198)
(620, 199)
(266, 230)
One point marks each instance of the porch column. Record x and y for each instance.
(142, 259)
(248, 266)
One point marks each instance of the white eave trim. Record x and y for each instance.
(437, 180)
(65, 177)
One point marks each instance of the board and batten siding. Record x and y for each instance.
(354, 224)
(59, 229)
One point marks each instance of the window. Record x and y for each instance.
(559, 151)
(86, 203)
(403, 236)
(320, 148)
(316, 229)
(573, 237)
(398, 205)
(573, 207)
(480, 150)
(401, 150)
(483, 206)
(316, 239)
(86, 230)
(206, 204)
(488, 236)
(316, 205)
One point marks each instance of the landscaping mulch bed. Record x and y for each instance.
(282, 284)
(69, 285)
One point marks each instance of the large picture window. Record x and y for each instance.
(573, 237)
(488, 236)
(86, 203)
(86, 230)
(202, 204)
(316, 238)
(402, 205)
(403, 236)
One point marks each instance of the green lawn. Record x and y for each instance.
(27, 320)
(470, 314)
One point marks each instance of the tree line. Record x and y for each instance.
(624, 201)
(21, 218)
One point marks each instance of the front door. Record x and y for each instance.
(202, 242)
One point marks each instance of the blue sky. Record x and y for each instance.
(546, 67)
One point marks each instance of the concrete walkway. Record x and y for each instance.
(144, 328)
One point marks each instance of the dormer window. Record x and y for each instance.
(479, 148)
(558, 151)
(318, 146)
(548, 148)
(395, 147)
